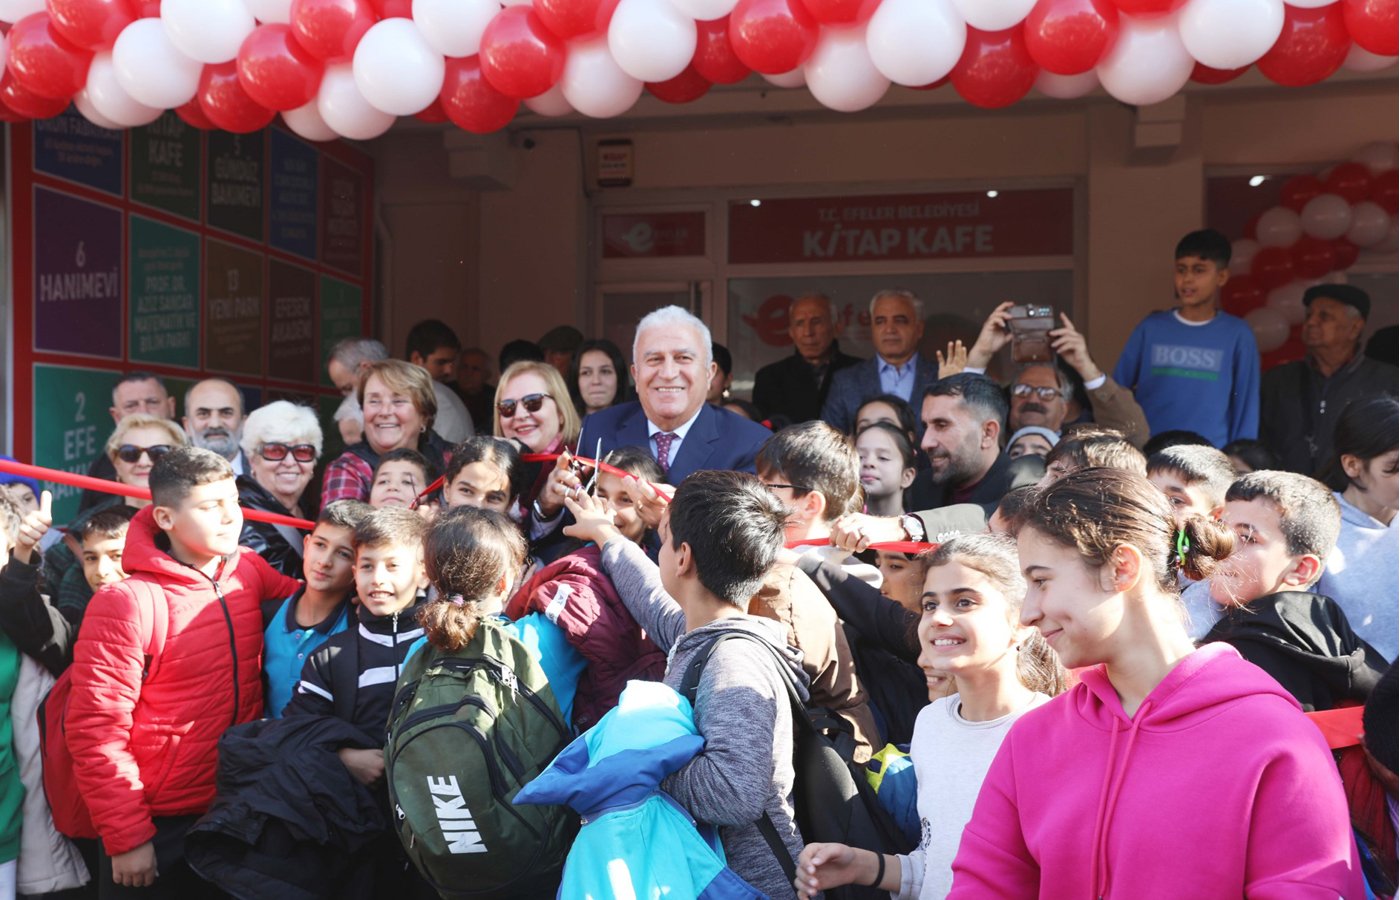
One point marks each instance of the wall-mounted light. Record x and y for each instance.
(992, 194)
(755, 202)
(1258, 180)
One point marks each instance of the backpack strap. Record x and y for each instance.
(345, 677)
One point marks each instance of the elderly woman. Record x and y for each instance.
(138, 441)
(282, 442)
(534, 410)
(399, 407)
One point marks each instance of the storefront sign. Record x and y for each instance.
(291, 301)
(903, 227)
(72, 148)
(339, 315)
(74, 425)
(293, 205)
(653, 235)
(235, 182)
(166, 158)
(342, 217)
(77, 275)
(164, 294)
(233, 290)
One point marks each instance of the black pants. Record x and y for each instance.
(175, 880)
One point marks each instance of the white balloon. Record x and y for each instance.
(594, 84)
(517, 2)
(1326, 216)
(151, 69)
(210, 31)
(551, 103)
(1379, 157)
(1269, 326)
(1230, 34)
(454, 27)
(4, 52)
(840, 73)
(105, 95)
(993, 15)
(345, 109)
(705, 10)
(915, 42)
(1242, 255)
(1360, 59)
(1279, 226)
(651, 39)
(1287, 301)
(396, 69)
(1066, 87)
(794, 79)
(83, 102)
(307, 122)
(1148, 63)
(1368, 224)
(1311, 4)
(278, 11)
(14, 10)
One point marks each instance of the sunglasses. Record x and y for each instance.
(130, 453)
(302, 453)
(1044, 393)
(531, 402)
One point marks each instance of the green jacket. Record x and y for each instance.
(11, 790)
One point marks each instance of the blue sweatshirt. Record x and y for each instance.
(1201, 377)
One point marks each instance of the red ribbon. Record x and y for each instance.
(887, 546)
(86, 482)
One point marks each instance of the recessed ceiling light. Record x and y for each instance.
(755, 202)
(991, 194)
(1258, 180)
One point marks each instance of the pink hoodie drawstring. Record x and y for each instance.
(1108, 799)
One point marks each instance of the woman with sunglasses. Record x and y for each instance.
(138, 441)
(282, 442)
(534, 410)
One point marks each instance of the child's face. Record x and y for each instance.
(903, 579)
(481, 485)
(613, 491)
(396, 483)
(966, 624)
(23, 495)
(882, 470)
(1378, 478)
(1261, 563)
(206, 523)
(1198, 280)
(328, 559)
(388, 577)
(1187, 499)
(102, 559)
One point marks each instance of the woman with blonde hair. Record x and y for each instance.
(138, 441)
(533, 409)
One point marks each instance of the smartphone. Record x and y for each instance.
(1030, 327)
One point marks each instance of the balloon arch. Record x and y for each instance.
(349, 68)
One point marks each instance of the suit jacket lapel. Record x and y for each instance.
(698, 445)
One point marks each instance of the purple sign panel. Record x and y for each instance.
(77, 276)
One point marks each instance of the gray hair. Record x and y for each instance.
(281, 422)
(832, 311)
(675, 315)
(1061, 378)
(352, 353)
(903, 294)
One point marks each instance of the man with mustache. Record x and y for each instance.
(214, 420)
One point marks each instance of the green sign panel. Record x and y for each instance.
(236, 183)
(71, 425)
(164, 317)
(340, 317)
(165, 166)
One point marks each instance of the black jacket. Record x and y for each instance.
(1306, 643)
(289, 818)
(1005, 475)
(34, 624)
(263, 538)
(1298, 408)
(787, 388)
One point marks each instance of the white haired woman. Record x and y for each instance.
(282, 442)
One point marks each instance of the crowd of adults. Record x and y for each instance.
(1270, 498)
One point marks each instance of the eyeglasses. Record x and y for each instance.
(130, 453)
(531, 402)
(302, 453)
(1044, 393)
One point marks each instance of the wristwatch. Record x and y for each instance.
(913, 528)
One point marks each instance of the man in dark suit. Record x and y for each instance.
(896, 326)
(796, 387)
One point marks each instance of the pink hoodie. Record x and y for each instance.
(1219, 787)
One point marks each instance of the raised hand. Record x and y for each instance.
(33, 527)
(593, 520)
(995, 334)
(954, 362)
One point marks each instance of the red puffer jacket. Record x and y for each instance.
(144, 733)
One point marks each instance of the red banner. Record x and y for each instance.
(903, 226)
(653, 235)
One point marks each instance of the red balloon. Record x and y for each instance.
(471, 102)
(193, 115)
(1147, 7)
(1351, 181)
(331, 29)
(841, 12)
(393, 9)
(1344, 254)
(26, 103)
(146, 9)
(227, 104)
(995, 70)
(1206, 75)
(433, 112)
(276, 71)
(91, 24)
(715, 60)
(1384, 190)
(519, 56)
(1252, 224)
(1312, 46)
(1313, 257)
(772, 36)
(1298, 190)
(1374, 24)
(1272, 267)
(44, 62)
(685, 87)
(1241, 294)
(1068, 37)
(568, 18)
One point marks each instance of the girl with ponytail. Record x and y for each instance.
(969, 629)
(1167, 771)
